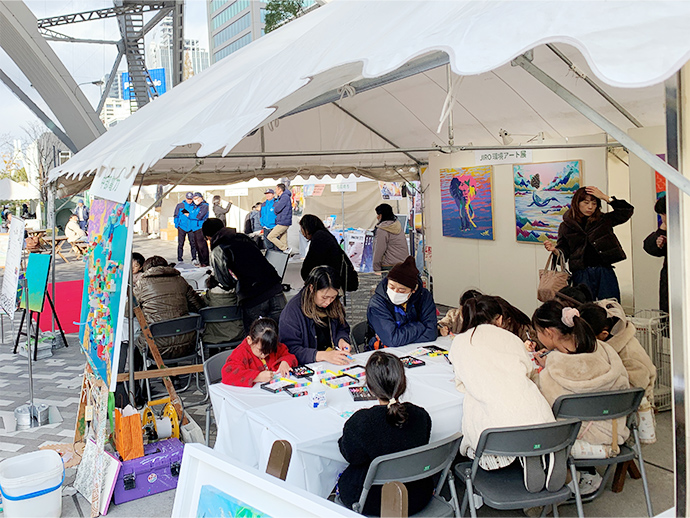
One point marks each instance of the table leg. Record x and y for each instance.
(619, 477)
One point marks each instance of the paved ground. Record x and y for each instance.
(57, 381)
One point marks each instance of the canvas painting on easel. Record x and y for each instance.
(37, 269)
(105, 286)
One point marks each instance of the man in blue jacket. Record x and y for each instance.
(402, 312)
(197, 222)
(82, 213)
(268, 217)
(184, 211)
(283, 212)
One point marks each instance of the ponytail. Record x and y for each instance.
(386, 380)
(479, 310)
(554, 314)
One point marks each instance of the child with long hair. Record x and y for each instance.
(494, 370)
(259, 357)
(389, 427)
(578, 364)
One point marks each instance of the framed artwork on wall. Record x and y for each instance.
(466, 202)
(542, 195)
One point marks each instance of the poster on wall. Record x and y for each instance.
(13, 263)
(313, 189)
(105, 286)
(391, 190)
(660, 186)
(354, 247)
(297, 200)
(542, 195)
(414, 197)
(466, 202)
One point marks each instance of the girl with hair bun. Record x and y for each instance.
(494, 371)
(576, 364)
(389, 427)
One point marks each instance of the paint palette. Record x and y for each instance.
(356, 371)
(361, 394)
(435, 350)
(339, 381)
(276, 386)
(410, 362)
(302, 371)
(295, 391)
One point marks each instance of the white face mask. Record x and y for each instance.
(397, 298)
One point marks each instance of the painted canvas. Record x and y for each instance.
(214, 503)
(391, 190)
(542, 195)
(466, 202)
(37, 270)
(105, 286)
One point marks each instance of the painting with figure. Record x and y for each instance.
(542, 195)
(466, 202)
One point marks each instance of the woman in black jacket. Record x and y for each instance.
(587, 241)
(389, 427)
(324, 250)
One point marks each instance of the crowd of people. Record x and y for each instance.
(510, 367)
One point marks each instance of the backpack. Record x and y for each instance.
(221, 267)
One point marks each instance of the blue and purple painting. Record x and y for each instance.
(466, 203)
(214, 503)
(542, 195)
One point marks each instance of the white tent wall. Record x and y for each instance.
(642, 196)
(502, 267)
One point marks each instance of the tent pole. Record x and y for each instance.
(51, 214)
(678, 212)
(449, 80)
(590, 113)
(130, 323)
(183, 178)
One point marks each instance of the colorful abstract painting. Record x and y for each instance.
(542, 195)
(466, 202)
(391, 190)
(214, 503)
(37, 270)
(105, 286)
(297, 200)
(659, 186)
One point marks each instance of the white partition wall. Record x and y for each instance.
(503, 266)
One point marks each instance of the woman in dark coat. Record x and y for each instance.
(655, 244)
(587, 241)
(313, 325)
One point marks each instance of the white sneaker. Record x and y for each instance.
(195, 262)
(287, 251)
(589, 483)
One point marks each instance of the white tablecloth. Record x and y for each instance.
(249, 420)
(196, 277)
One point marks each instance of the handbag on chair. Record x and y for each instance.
(553, 277)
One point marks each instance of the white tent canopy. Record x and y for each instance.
(624, 44)
(14, 191)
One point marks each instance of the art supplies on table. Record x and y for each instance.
(337, 382)
(296, 391)
(410, 362)
(435, 350)
(302, 371)
(361, 394)
(356, 371)
(276, 386)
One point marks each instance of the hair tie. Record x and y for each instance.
(567, 316)
(392, 401)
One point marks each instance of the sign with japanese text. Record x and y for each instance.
(344, 187)
(498, 156)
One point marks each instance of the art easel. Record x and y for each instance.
(21, 333)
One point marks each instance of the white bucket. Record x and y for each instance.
(31, 485)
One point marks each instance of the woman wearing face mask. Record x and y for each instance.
(390, 243)
(401, 311)
(587, 241)
(313, 325)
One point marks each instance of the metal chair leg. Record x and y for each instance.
(643, 472)
(453, 492)
(470, 494)
(555, 510)
(578, 498)
(208, 423)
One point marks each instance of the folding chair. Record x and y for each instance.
(176, 327)
(416, 464)
(505, 488)
(279, 459)
(394, 500)
(213, 374)
(358, 336)
(279, 261)
(219, 315)
(601, 406)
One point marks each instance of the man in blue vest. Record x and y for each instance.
(184, 212)
(197, 221)
(268, 218)
(282, 209)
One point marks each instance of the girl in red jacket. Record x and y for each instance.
(258, 357)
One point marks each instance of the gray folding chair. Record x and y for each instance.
(601, 406)
(505, 488)
(220, 315)
(417, 464)
(213, 368)
(358, 336)
(191, 323)
(279, 261)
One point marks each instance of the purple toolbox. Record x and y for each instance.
(155, 472)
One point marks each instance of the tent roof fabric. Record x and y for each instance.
(624, 44)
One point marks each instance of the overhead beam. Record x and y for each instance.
(101, 14)
(14, 88)
(656, 163)
(112, 76)
(52, 35)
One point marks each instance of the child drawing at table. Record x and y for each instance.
(389, 427)
(259, 357)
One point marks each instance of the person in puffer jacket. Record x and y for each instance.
(163, 294)
(390, 243)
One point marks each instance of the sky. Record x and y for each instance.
(86, 62)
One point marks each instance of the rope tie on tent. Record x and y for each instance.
(448, 103)
(346, 91)
(273, 124)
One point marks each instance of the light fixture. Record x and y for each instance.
(505, 137)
